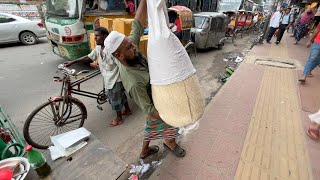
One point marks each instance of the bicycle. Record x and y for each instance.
(63, 113)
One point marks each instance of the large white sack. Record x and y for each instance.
(179, 104)
(175, 87)
(168, 60)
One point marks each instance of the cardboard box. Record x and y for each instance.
(122, 25)
(92, 41)
(107, 23)
(143, 45)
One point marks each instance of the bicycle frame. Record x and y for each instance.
(67, 89)
(68, 86)
(78, 82)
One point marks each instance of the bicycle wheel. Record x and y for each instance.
(191, 50)
(53, 118)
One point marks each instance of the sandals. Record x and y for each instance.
(115, 123)
(152, 150)
(302, 81)
(178, 151)
(313, 133)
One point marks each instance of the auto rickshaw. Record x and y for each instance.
(181, 18)
(209, 30)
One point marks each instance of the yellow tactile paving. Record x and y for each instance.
(280, 50)
(274, 146)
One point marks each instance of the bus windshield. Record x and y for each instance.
(63, 8)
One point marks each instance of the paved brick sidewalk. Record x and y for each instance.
(254, 128)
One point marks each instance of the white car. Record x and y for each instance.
(15, 28)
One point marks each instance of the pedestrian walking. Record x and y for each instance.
(306, 19)
(274, 23)
(110, 73)
(284, 24)
(317, 16)
(314, 57)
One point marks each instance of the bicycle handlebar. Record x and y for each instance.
(66, 70)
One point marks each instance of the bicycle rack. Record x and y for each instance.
(14, 145)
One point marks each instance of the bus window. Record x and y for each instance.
(116, 5)
(63, 8)
(105, 5)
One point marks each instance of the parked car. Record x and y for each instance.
(15, 28)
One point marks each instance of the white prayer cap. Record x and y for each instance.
(112, 42)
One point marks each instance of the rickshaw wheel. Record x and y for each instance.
(191, 50)
(220, 46)
(233, 37)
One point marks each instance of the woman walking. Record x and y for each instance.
(303, 24)
(314, 57)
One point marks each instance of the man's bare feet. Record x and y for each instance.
(116, 122)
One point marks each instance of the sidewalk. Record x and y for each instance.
(254, 128)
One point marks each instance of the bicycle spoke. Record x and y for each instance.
(75, 116)
(45, 138)
(43, 119)
(40, 131)
(49, 120)
(48, 142)
(64, 129)
(54, 131)
(43, 123)
(47, 135)
(72, 126)
(45, 114)
(41, 139)
(41, 126)
(51, 115)
(71, 121)
(77, 110)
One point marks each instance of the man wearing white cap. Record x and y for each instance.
(134, 73)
